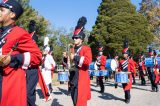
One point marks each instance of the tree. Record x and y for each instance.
(42, 25)
(151, 10)
(117, 20)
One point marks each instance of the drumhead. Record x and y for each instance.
(114, 64)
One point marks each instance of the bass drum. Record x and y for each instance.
(111, 64)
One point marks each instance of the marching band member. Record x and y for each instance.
(18, 53)
(32, 73)
(54, 64)
(126, 65)
(82, 57)
(142, 68)
(101, 62)
(47, 66)
(66, 62)
(153, 71)
(150, 54)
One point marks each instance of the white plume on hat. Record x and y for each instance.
(46, 41)
(46, 50)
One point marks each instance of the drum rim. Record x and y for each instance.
(63, 72)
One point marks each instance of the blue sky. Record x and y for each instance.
(65, 13)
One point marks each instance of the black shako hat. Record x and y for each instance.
(150, 51)
(100, 47)
(78, 32)
(32, 26)
(125, 47)
(14, 6)
(141, 55)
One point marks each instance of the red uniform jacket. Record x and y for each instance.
(156, 73)
(134, 65)
(130, 68)
(84, 92)
(14, 80)
(102, 62)
(142, 65)
(43, 85)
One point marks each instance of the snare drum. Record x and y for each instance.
(100, 73)
(121, 77)
(149, 62)
(91, 72)
(96, 73)
(103, 73)
(63, 76)
(111, 64)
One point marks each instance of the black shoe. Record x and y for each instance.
(153, 89)
(97, 85)
(61, 82)
(51, 90)
(157, 89)
(91, 78)
(127, 101)
(116, 85)
(102, 91)
(69, 93)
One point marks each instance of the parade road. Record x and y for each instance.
(140, 96)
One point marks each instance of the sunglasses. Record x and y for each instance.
(76, 37)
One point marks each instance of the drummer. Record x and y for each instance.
(153, 71)
(125, 65)
(154, 78)
(101, 62)
(142, 68)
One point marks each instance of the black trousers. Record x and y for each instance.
(100, 79)
(152, 78)
(1, 85)
(73, 81)
(134, 81)
(143, 81)
(32, 80)
(126, 92)
(74, 95)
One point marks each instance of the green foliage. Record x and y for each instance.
(151, 10)
(31, 14)
(117, 20)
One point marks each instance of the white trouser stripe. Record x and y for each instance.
(81, 61)
(27, 59)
